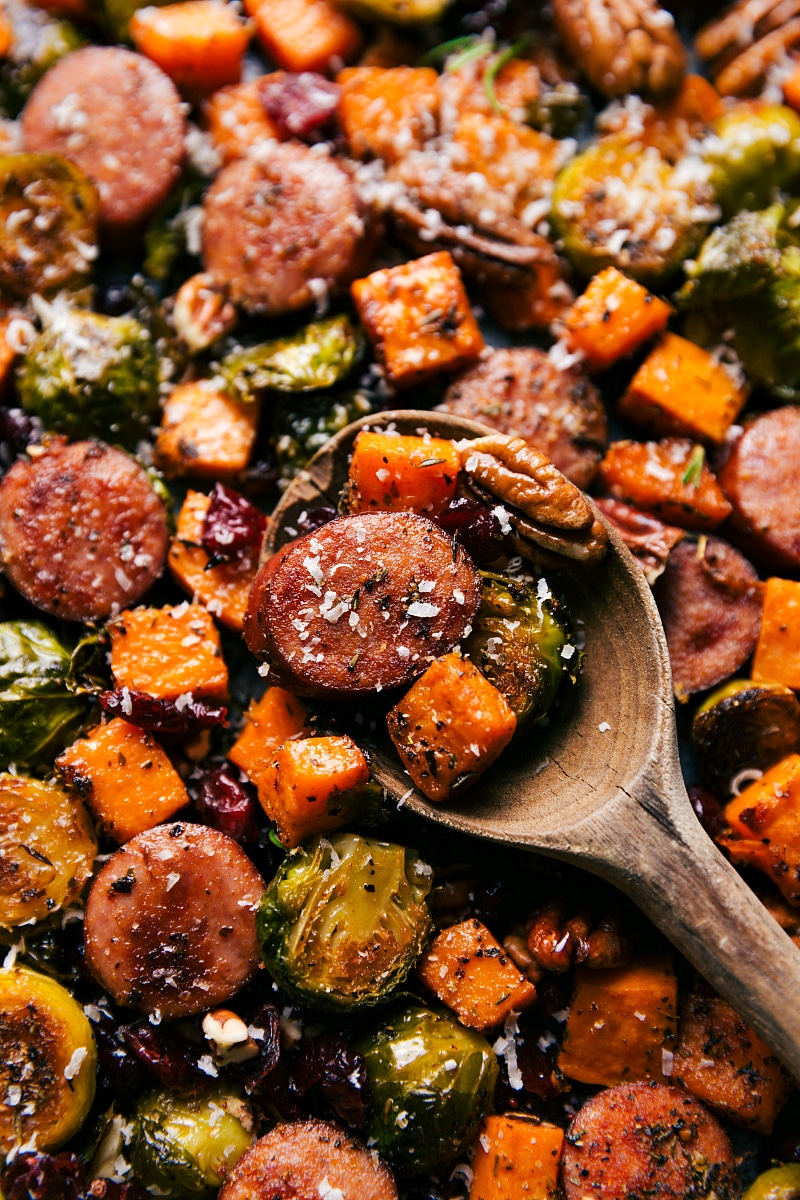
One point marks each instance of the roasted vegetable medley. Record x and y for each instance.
(231, 965)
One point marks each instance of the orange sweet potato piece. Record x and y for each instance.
(467, 969)
(7, 356)
(619, 1022)
(236, 120)
(205, 433)
(198, 43)
(385, 112)
(512, 157)
(766, 818)
(450, 726)
(612, 318)
(670, 479)
(276, 718)
(791, 89)
(312, 786)
(399, 474)
(516, 1158)
(541, 298)
(682, 389)
(224, 589)
(305, 35)
(517, 86)
(168, 652)
(727, 1066)
(777, 656)
(6, 32)
(125, 777)
(419, 318)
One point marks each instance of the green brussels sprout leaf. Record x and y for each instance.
(319, 356)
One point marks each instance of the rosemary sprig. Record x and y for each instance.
(694, 468)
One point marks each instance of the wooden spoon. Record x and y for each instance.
(601, 786)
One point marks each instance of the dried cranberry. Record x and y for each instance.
(329, 1064)
(314, 518)
(160, 716)
(121, 1071)
(172, 1059)
(536, 1068)
(233, 527)
(708, 810)
(44, 1177)
(299, 104)
(256, 1071)
(227, 805)
(107, 1189)
(478, 529)
(17, 432)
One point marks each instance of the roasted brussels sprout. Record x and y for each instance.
(399, 12)
(736, 259)
(319, 356)
(88, 374)
(779, 1183)
(520, 641)
(299, 429)
(744, 725)
(48, 214)
(431, 1082)
(344, 920)
(38, 40)
(754, 150)
(186, 1145)
(39, 716)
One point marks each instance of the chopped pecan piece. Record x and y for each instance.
(542, 506)
(751, 37)
(622, 45)
(556, 942)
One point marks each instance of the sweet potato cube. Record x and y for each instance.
(205, 433)
(512, 157)
(312, 786)
(516, 1158)
(7, 356)
(125, 777)
(619, 1022)
(681, 389)
(385, 112)
(168, 652)
(791, 89)
(467, 969)
(305, 35)
(419, 318)
(224, 589)
(276, 718)
(766, 818)
(399, 474)
(198, 43)
(236, 120)
(727, 1066)
(670, 479)
(541, 298)
(450, 726)
(612, 318)
(777, 656)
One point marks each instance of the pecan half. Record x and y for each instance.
(556, 941)
(542, 506)
(622, 45)
(751, 37)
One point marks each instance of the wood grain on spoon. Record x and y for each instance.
(601, 786)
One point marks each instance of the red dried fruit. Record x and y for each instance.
(233, 527)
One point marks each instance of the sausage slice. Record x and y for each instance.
(364, 603)
(521, 391)
(82, 532)
(646, 1139)
(119, 117)
(306, 1160)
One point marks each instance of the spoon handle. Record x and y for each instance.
(669, 866)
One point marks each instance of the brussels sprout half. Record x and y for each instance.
(319, 356)
(344, 920)
(744, 725)
(431, 1082)
(39, 716)
(754, 150)
(779, 1183)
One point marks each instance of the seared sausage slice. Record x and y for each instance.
(709, 598)
(279, 227)
(306, 1160)
(521, 391)
(170, 920)
(119, 117)
(82, 532)
(364, 603)
(645, 1139)
(761, 479)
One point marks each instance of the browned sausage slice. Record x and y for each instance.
(364, 603)
(521, 391)
(280, 228)
(646, 1139)
(120, 118)
(761, 479)
(309, 1160)
(709, 598)
(170, 920)
(82, 532)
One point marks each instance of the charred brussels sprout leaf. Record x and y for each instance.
(344, 920)
(87, 374)
(754, 150)
(302, 428)
(39, 716)
(186, 1145)
(744, 725)
(319, 356)
(431, 1081)
(520, 641)
(38, 41)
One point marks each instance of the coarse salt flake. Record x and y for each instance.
(420, 608)
(72, 1069)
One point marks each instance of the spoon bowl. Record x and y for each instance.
(601, 785)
